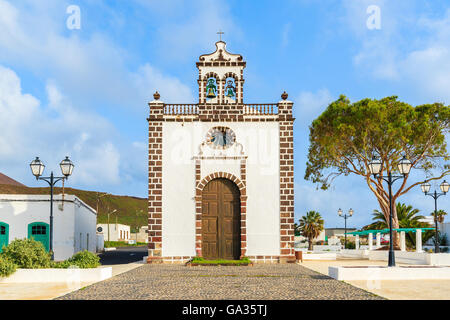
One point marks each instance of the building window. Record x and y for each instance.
(38, 230)
(2, 230)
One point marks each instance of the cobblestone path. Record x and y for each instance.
(280, 282)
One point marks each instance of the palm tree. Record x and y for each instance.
(310, 226)
(407, 218)
(440, 215)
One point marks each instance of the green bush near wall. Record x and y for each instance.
(27, 254)
(84, 260)
(7, 267)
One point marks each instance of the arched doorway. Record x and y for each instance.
(221, 220)
(4, 235)
(39, 231)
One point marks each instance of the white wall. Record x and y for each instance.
(85, 227)
(260, 142)
(115, 232)
(69, 220)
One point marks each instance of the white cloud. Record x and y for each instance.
(285, 34)
(29, 129)
(411, 48)
(91, 67)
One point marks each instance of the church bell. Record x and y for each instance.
(211, 93)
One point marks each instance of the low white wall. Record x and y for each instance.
(353, 253)
(58, 275)
(319, 256)
(326, 248)
(376, 273)
(438, 259)
(424, 258)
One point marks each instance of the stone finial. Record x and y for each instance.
(284, 95)
(156, 95)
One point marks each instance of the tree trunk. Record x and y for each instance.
(395, 225)
(310, 247)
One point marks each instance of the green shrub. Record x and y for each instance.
(27, 254)
(60, 264)
(7, 267)
(199, 260)
(350, 245)
(84, 259)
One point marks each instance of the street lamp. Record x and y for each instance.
(115, 210)
(345, 216)
(375, 167)
(37, 168)
(425, 186)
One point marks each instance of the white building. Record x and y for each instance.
(26, 216)
(141, 236)
(221, 171)
(117, 232)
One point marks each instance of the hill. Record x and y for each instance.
(127, 207)
(4, 179)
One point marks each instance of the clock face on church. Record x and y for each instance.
(220, 137)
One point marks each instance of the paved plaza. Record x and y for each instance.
(279, 282)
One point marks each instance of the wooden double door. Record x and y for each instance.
(221, 220)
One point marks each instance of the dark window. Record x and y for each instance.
(38, 230)
(2, 230)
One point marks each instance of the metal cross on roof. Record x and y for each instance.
(220, 33)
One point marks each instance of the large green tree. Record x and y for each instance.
(345, 137)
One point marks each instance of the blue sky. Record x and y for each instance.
(84, 92)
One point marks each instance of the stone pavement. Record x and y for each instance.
(178, 282)
(390, 289)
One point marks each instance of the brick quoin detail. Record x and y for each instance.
(286, 121)
(155, 183)
(200, 185)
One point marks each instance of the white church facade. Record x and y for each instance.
(221, 172)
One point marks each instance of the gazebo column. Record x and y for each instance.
(402, 241)
(370, 240)
(378, 240)
(357, 242)
(419, 240)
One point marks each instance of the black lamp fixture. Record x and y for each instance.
(345, 216)
(425, 186)
(37, 168)
(376, 168)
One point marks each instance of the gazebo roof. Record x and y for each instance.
(366, 232)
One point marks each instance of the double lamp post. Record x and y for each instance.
(444, 188)
(375, 167)
(37, 168)
(345, 216)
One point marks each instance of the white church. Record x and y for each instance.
(221, 171)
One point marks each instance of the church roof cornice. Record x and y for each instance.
(221, 57)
